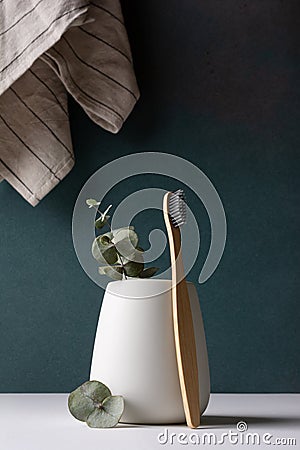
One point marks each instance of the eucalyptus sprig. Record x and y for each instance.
(93, 403)
(118, 249)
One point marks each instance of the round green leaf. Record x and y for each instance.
(101, 221)
(103, 250)
(80, 406)
(126, 233)
(133, 269)
(125, 241)
(108, 412)
(136, 256)
(106, 238)
(83, 401)
(95, 390)
(114, 272)
(110, 255)
(149, 272)
(92, 202)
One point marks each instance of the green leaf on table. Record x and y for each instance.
(114, 272)
(149, 272)
(93, 403)
(81, 402)
(109, 414)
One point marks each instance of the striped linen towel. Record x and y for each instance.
(49, 48)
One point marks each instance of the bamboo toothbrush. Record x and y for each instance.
(174, 209)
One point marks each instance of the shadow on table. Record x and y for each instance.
(224, 421)
(212, 422)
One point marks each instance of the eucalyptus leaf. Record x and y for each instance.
(126, 234)
(125, 242)
(95, 390)
(114, 272)
(108, 414)
(149, 272)
(125, 248)
(101, 221)
(133, 269)
(136, 256)
(93, 403)
(106, 238)
(92, 202)
(118, 251)
(103, 250)
(80, 406)
(81, 402)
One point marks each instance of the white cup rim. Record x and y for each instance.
(115, 287)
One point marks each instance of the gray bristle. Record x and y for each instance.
(177, 208)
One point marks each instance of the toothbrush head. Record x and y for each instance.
(177, 208)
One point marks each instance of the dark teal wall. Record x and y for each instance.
(219, 86)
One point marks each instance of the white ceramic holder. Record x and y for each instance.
(134, 350)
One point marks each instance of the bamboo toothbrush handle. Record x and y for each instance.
(185, 339)
(183, 331)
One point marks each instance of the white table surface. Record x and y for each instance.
(42, 422)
